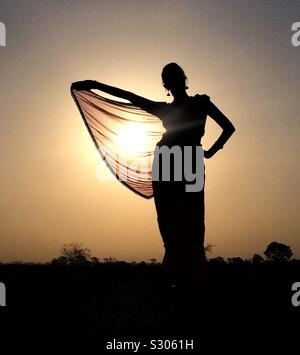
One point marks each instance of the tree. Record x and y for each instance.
(208, 248)
(110, 260)
(257, 259)
(218, 260)
(73, 254)
(94, 260)
(236, 261)
(278, 252)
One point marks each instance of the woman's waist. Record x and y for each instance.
(172, 140)
(183, 134)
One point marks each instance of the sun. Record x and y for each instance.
(132, 139)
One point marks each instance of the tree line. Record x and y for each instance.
(76, 254)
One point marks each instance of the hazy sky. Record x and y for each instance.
(237, 52)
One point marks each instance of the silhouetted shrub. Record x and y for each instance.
(257, 259)
(73, 254)
(218, 260)
(236, 261)
(278, 252)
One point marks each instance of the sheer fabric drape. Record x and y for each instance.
(125, 136)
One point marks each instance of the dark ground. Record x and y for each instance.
(122, 301)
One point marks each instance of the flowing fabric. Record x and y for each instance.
(125, 135)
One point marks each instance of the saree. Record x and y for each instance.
(124, 135)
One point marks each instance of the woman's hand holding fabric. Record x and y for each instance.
(84, 85)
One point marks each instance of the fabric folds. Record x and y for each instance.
(125, 137)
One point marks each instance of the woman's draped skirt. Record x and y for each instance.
(180, 216)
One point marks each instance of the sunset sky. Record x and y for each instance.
(237, 52)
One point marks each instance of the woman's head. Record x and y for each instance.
(173, 77)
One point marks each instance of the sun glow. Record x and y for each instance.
(132, 139)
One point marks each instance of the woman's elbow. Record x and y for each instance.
(230, 129)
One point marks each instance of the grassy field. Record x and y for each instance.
(120, 299)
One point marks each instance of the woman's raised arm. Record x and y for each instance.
(150, 106)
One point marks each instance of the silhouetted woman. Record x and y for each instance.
(180, 214)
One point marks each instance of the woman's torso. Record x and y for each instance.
(184, 122)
